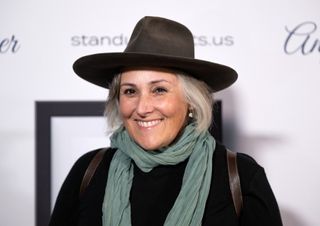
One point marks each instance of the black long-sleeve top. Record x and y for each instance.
(154, 193)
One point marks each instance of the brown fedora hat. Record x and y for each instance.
(155, 42)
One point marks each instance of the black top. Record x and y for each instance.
(154, 193)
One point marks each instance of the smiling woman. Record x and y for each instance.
(163, 166)
(152, 107)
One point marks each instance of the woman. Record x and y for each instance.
(163, 167)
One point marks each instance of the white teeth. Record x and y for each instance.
(149, 123)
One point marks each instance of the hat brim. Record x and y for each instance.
(100, 69)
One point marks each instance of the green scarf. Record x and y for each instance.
(189, 206)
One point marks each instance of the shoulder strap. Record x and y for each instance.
(234, 181)
(92, 167)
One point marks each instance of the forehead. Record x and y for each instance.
(147, 76)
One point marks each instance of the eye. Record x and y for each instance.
(129, 92)
(160, 90)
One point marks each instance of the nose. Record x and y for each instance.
(144, 105)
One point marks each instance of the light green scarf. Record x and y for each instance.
(189, 206)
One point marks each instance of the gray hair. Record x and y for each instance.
(197, 93)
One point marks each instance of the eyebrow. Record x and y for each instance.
(152, 82)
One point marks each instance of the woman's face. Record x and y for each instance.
(152, 107)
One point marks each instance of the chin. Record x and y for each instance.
(150, 146)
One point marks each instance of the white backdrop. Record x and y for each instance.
(271, 113)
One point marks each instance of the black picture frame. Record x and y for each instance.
(45, 111)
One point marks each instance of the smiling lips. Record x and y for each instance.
(147, 124)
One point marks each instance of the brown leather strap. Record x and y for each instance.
(234, 181)
(92, 167)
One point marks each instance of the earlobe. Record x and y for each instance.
(190, 112)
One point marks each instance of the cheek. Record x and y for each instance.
(176, 109)
(125, 107)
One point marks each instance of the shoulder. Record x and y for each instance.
(259, 203)
(248, 167)
(66, 206)
(79, 167)
(245, 162)
(242, 158)
(71, 184)
(85, 159)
